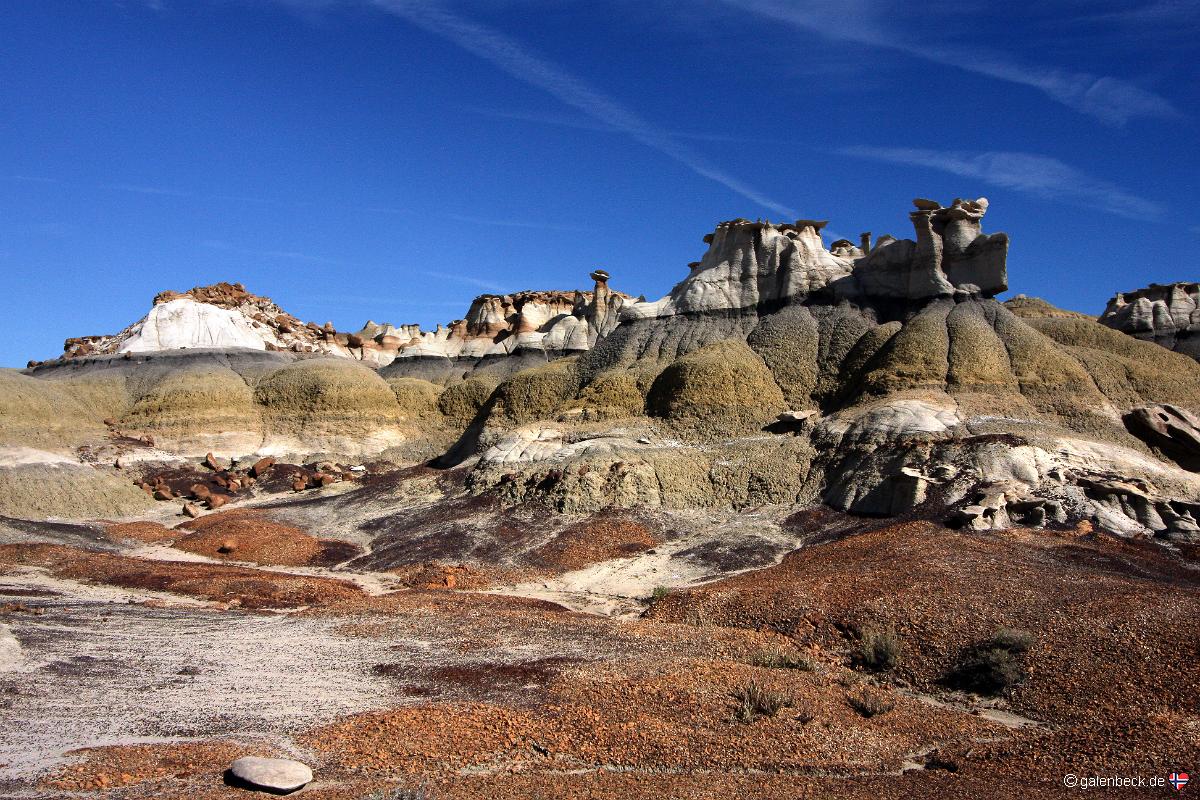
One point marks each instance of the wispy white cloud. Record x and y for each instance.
(465, 279)
(1159, 13)
(33, 179)
(1033, 174)
(509, 56)
(278, 255)
(1111, 100)
(517, 223)
(155, 190)
(587, 124)
(530, 223)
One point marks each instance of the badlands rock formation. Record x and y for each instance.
(903, 384)
(752, 264)
(1168, 315)
(878, 378)
(225, 316)
(799, 516)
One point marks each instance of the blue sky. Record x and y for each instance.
(390, 159)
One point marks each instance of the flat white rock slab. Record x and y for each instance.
(276, 774)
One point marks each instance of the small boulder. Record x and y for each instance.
(324, 479)
(215, 501)
(261, 466)
(272, 774)
(191, 510)
(210, 461)
(300, 483)
(200, 491)
(164, 494)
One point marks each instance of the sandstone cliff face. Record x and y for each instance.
(752, 264)
(1168, 315)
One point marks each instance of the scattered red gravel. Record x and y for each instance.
(249, 588)
(248, 535)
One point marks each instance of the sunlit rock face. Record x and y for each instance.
(751, 264)
(531, 322)
(225, 316)
(185, 323)
(1166, 314)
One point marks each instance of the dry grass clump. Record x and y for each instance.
(994, 665)
(755, 701)
(724, 388)
(877, 650)
(779, 658)
(870, 701)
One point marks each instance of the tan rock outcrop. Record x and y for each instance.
(1165, 314)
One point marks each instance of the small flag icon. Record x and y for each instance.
(1178, 780)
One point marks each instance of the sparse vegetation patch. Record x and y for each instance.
(755, 701)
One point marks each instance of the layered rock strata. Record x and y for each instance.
(895, 383)
(226, 317)
(1165, 314)
(752, 264)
